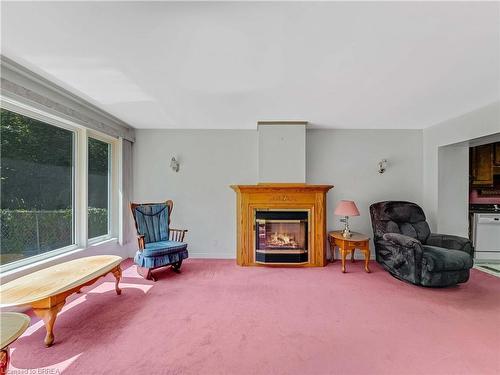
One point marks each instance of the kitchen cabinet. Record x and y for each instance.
(482, 158)
(496, 160)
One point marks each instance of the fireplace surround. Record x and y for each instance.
(281, 224)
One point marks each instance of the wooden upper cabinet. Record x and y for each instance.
(482, 165)
(496, 159)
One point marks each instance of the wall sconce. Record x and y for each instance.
(174, 164)
(382, 166)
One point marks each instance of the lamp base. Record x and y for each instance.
(346, 233)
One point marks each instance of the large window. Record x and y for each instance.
(37, 192)
(99, 157)
(58, 186)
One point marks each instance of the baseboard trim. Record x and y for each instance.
(211, 255)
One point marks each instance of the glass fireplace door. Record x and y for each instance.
(281, 236)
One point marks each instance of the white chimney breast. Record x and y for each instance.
(282, 152)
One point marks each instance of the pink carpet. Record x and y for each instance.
(218, 318)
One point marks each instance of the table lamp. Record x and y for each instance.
(346, 209)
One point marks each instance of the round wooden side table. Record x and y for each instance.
(12, 325)
(348, 245)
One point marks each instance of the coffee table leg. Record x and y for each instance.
(49, 315)
(4, 361)
(117, 273)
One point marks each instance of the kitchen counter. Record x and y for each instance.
(484, 208)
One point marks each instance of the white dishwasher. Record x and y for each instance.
(486, 236)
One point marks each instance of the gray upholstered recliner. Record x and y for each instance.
(405, 246)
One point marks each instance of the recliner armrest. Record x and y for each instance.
(450, 242)
(401, 239)
(403, 256)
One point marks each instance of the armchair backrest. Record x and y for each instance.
(399, 217)
(152, 220)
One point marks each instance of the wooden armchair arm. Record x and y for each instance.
(140, 240)
(177, 234)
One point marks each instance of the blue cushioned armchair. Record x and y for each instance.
(159, 245)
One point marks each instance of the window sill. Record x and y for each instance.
(26, 264)
(10, 273)
(102, 240)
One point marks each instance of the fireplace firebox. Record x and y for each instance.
(281, 236)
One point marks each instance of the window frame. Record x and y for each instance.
(111, 173)
(80, 183)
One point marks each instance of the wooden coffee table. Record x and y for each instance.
(12, 325)
(46, 290)
(348, 245)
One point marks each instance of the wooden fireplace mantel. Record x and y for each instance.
(250, 198)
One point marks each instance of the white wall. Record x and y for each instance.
(282, 153)
(348, 159)
(213, 160)
(453, 190)
(210, 161)
(479, 123)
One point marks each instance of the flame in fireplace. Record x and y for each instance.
(282, 240)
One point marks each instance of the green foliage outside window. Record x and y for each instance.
(36, 181)
(37, 164)
(98, 183)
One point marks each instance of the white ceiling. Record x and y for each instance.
(228, 65)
